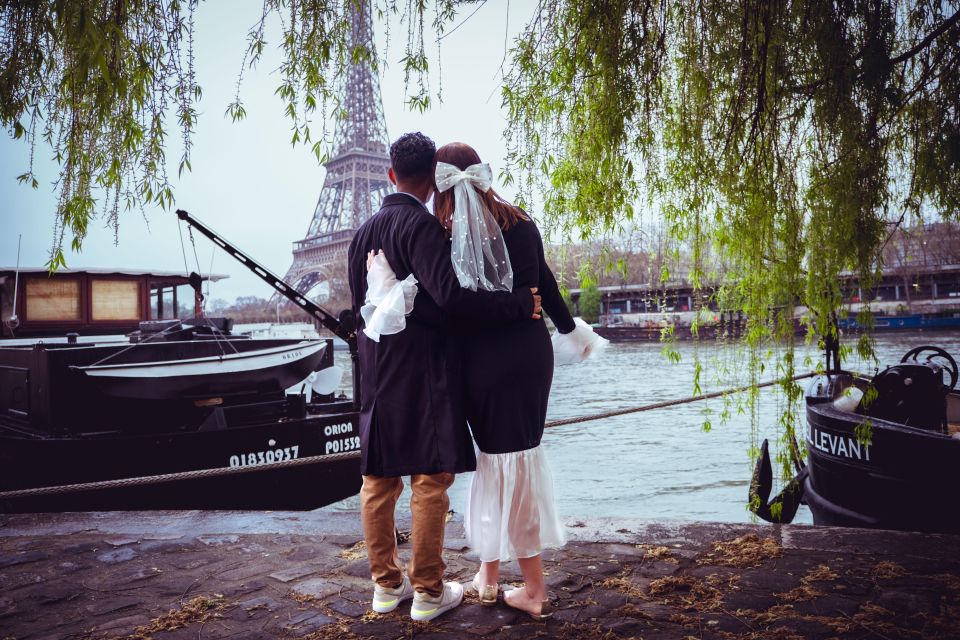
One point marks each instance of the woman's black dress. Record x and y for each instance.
(509, 369)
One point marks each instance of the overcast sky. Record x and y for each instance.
(247, 182)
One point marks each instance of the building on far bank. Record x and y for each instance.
(920, 275)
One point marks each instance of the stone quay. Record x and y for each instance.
(192, 574)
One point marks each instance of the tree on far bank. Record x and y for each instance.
(589, 303)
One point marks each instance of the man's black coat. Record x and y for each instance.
(411, 415)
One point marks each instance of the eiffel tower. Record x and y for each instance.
(356, 179)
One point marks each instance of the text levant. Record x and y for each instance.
(838, 445)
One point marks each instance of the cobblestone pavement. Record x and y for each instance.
(182, 575)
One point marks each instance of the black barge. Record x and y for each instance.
(173, 414)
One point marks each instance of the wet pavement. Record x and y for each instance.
(178, 575)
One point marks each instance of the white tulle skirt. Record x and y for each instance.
(510, 508)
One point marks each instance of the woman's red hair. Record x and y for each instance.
(462, 156)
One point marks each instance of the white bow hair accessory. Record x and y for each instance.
(388, 300)
(477, 249)
(479, 175)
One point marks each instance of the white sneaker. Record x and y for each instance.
(386, 600)
(426, 607)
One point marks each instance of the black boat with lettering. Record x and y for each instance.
(881, 453)
(108, 401)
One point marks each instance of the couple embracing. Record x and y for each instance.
(449, 303)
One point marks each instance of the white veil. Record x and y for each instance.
(478, 252)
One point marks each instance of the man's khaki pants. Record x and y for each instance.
(428, 510)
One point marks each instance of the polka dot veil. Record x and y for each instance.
(478, 252)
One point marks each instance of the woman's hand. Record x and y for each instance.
(536, 304)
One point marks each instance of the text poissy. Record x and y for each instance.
(837, 445)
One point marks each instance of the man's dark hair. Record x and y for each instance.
(411, 156)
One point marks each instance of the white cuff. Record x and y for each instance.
(388, 300)
(578, 345)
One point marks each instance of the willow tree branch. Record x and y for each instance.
(903, 57)
(923, 44)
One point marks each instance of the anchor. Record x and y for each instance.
(787, 501)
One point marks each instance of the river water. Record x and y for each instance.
(662, 463)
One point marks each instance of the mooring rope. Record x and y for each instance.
(174, 477)
(337, 457)
(673, 403)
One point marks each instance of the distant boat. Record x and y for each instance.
(301, 330)
(291, 330)
(936, 320)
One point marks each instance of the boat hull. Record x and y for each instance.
(260, 451)
(905, 479)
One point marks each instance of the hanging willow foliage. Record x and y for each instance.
(98, 81)
(787, 137)
(95, 81)
(784, 140)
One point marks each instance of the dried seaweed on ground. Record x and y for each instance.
(773, 614)
(622, 584)
(730, 581)
(671, 584)
(654, 552)
(745, 552)
(337, 630)
(870, 617)
(199, 609)
(806, 591)
(413, 627)
(574, 631)
(873, 618)
(631, 610)
(355, 552)
(887, 571)
(780, 633)
(873, 609)
(693, 593)
(370, 616)
(944, 625)
(802, 593)
(706, 596)
(301, 598)
(684, 620)
(950, 581)
(821, 573)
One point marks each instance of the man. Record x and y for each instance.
(411, 416)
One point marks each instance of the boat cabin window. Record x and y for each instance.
(168, 302)
(115, 299)
(53, 299)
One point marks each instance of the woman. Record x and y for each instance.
(508, 373)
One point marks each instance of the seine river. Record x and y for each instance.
(662, 463)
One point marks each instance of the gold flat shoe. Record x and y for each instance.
(486, 594)
(546, 607)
